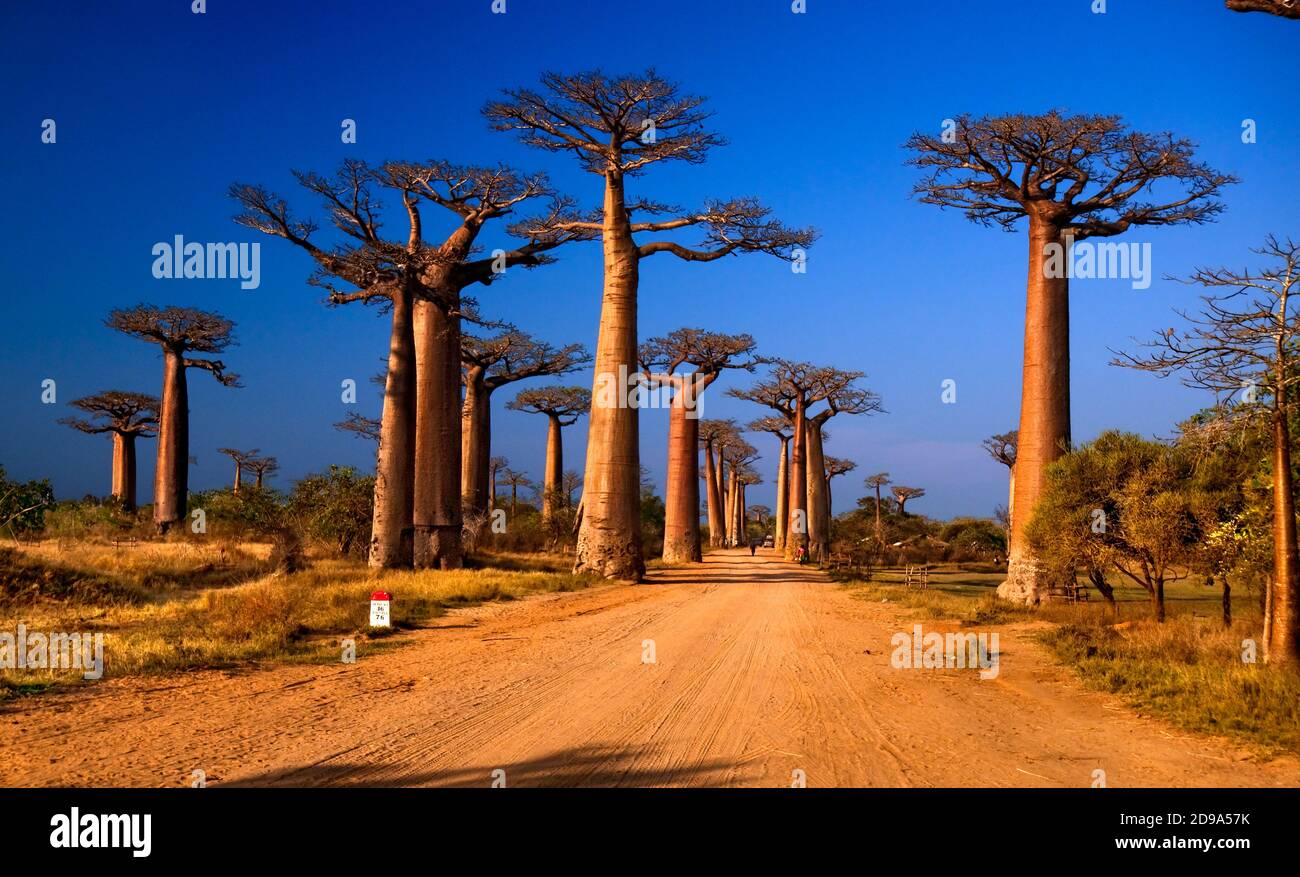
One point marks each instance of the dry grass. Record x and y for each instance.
(1188, 671)
(155, 621)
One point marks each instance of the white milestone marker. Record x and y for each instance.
(380, 603)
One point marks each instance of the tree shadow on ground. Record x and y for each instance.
(589, 766)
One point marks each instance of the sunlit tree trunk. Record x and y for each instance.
(551, 486)
(818, 511)
(682, 496)
(714, 495)
(171, 475)
(782, 494)
(437, 500)
(609, 540)
(124, 469)
(1044, 405)
(476, 431)
(239, 477)
(390, 540)
(1284, 643)
(797, 531)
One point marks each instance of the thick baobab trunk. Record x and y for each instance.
(880, 532)
(1011, 503)
(171, 475)
(124, 469)
(782, 495)
(1283, 646)
(436, 508)
(714, 495)
(1044, 405)
(551, 484)
(818, 496)
(609, 540)
(797, 530)
(492, 489)
(476, 442)
(742, 519)
(390, 539)
(682, 496)
(733, 491)
(239, 478)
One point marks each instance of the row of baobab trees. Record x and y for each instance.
(1068, 177)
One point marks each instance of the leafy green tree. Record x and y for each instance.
(23, 505)
(336, 508)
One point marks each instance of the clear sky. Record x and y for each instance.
(159, 110)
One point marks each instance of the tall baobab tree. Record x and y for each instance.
(1002, 447)
(617, 127)
(562, 407)
(262, 467)
(713, 435)
(793, 390)
(739, 456)
(490, 364)
(495, 465)
(1243, 344)
(180, 332)
(708, 353)
(127, 416)
(835, 467)
(514, 480)
(746, 477)
(876, 482)
(836, 389)
(1071, 177)
(902, 494)
(241, 459)
(779, 427)
(417, 484)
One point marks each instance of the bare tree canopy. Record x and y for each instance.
(1284, 8)
(360, 426)
(565, 403)
(836, 466)
(118, 411)
(515, 355)
(180, 331)
(1089, 175)
(1002, 447)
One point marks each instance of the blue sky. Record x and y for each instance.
(159, 110)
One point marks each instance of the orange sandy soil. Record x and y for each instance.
(762, 669)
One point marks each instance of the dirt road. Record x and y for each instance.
(761, 670)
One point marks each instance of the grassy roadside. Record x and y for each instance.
(1187, 671)
(167, 608)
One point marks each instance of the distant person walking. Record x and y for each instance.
(753, 546)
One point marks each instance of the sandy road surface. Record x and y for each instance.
(762, 669)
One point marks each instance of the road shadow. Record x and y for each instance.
(575, 767)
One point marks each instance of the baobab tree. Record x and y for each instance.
(902, 494)
(562, 407)
(793, 390)
(837, 390)
(708, 354)
(713, 434)
(738, 455)
(179, 332)
(835, 467)
(128, 416)
(876, 482)
(618, 127)
(1072, 178)
(417, 484)
(779, 427)
(361, 426)
(514, 480)
(1002, 447)
(746, 477)
(488, 365)
(495, 465)
(261, 467)
(1243, 345)
(241, 459)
